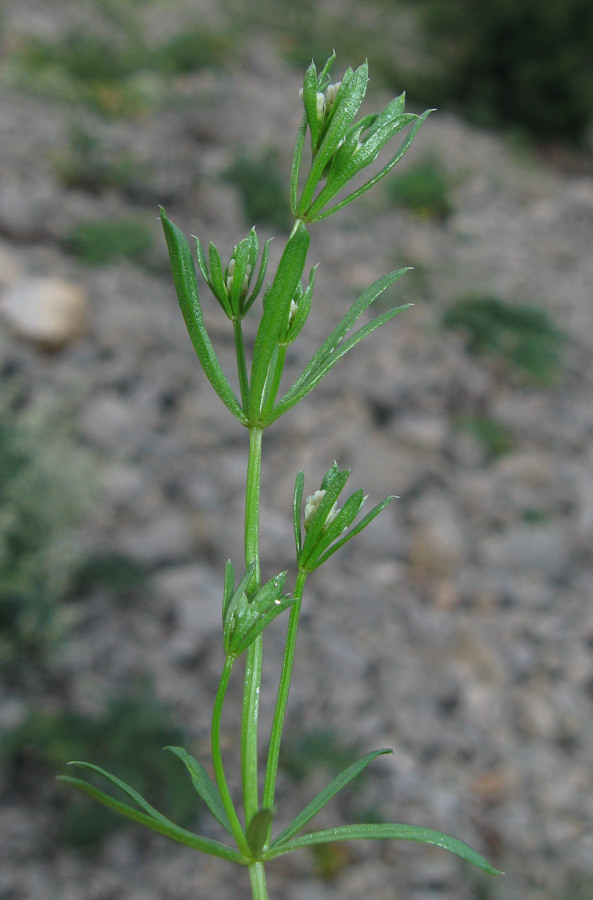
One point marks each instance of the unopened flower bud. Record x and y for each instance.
(331, 92)
(320, 107)
(312, 505)
(292, 312)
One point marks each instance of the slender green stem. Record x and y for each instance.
(241, 364)
(276, 379)
(283, 689)
(227, 801)
(253, 663)
(258, 881)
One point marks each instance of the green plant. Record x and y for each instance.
(341, 148)
(423, 189)
(89, 164)
(495, 437)
(113, 69)
(99, 241)
(524, 336)
(44, 489)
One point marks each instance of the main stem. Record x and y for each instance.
(253, 663)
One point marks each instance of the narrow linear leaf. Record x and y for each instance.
(296, 507)
(296, 165)
(372, 181)
(385, 832)
(169, 829)
(366, 154)
(327, 362)
(184, 278)
(229, 587)
(275, 313)
(324, 796)
(343, 327)
(374, 512)
(204, 786)
(260, 278)
(131, 793)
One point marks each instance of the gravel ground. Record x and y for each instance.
(458, 629)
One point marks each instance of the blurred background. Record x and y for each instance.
(459, 628)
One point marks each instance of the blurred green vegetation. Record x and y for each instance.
(90, 164)
(524, 63)
(127, 739)
(45, 486)
(423, 188)
(495, 438)
(99, 241)
(263, 190)
(112, 68)
(523, 336)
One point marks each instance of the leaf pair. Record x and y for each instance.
(186, 287)
(147, 815)
(335, 346)
(287, 840)
(259, 827)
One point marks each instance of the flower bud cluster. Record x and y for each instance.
(341, 147)
(231, 284)
(325, 522)
(245, 613)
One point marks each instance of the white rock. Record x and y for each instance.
(49, 311)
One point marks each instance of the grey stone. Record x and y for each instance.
(50, 312)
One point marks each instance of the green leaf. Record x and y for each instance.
(229, 587)
(310, 103)
(258, 831)
(260, 278)
(356, 530)
(184, 277)
(216, 282)
(132, 794)
(336, 785)
(243, 255)
(372, 181)
(296, 165)
(328, 354)
(383, 832)
(368, 151)
(345, 517)
(160, 825)
(275, 314)
(204, 786)
(202, 261)
(296, 508)
(324, 79)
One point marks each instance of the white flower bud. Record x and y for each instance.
(312, 505)
(320, 99)
(292, 312)
(331, 92)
